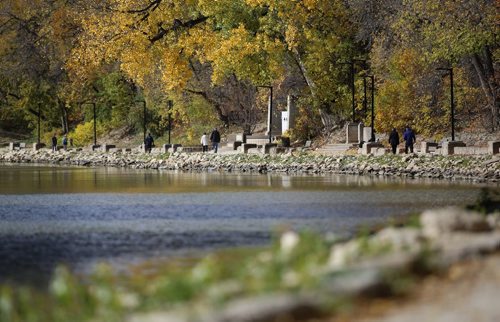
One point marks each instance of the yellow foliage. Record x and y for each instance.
(404, 97)
(84, 133)
(228, 39)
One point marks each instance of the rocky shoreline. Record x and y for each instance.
(476, 168)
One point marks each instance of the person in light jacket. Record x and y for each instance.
(204, 142)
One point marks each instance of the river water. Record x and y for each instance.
(83, 216)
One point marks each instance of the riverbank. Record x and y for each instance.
(476, 168)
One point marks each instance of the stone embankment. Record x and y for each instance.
(480, 168)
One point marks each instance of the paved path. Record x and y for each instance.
(468, 292)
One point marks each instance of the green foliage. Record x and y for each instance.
(191, 117)
(11, 119)
(215, 279)
(115, 99)
(449, 30)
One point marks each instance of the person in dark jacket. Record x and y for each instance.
(148, 143)
(394, 140)
(409, 138)
(65, 142)
(54, 143)
(215, 139)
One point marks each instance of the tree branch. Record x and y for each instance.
(176, 26)
(152, 5)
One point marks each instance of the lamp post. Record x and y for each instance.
(365, 102)
(269, 110)
(353, 88)
(170, 104)
(351, 76)
(452, 103)
(38, 138)
(94, 109)
(143, 118)
(372, 77)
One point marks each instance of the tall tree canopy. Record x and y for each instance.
(210, 55)
(179, 43)
(409, 39)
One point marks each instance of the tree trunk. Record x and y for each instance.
(327, 119)
(303, 71)
(488, 82)
(64, 116)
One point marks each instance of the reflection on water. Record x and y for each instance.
(80, 216)
(16, 179)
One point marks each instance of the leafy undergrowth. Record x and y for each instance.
(288, 265)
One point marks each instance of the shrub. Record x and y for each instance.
(84, 133)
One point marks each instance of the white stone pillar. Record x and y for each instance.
(360, 132)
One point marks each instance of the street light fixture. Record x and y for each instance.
(353, 89)
(365, 102)
(452, 103)
(169, 104)
(39, 115)
(269, 110)
(372, 77)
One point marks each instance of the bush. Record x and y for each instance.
(84, 133)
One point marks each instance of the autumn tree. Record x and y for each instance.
(34, 42)
(237, 43)
(461, 34)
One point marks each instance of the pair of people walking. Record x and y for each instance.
(408, 138)
(64, 142)
(214, 138)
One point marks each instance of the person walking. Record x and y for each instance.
(215, 139)
(204, 142)
(394, 140)
(65, 142)
(54, 143)
(409, 138)
(149, 142)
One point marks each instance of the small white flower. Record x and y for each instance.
(342, 254)
(291, 279)
(289, 241)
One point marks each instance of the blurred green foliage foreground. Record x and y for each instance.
(290, 264)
